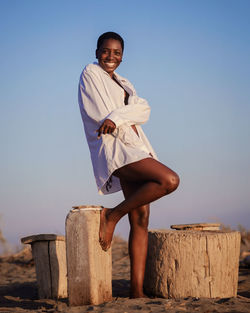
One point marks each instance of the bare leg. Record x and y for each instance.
(156, 181)
(138, 248)
(138, 242)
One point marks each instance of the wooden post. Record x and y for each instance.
(49, 254)
(89, 267)
(192, 263)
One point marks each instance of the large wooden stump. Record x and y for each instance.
(89, 267)
(192, 263)
(49, 255)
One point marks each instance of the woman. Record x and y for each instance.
(122, 157)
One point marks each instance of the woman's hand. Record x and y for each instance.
(107, 127)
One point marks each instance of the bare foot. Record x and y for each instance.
(106, 230)
(137, 295)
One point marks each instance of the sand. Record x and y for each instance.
(18, 291)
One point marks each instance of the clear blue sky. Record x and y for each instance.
(189, 59)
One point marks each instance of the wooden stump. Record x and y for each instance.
(192, 264)
(89, 267)
(49, 254)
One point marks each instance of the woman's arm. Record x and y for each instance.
(137, 111)
(96, 103)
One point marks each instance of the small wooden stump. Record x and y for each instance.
(89, 267)
(192, 263)
(49, 254)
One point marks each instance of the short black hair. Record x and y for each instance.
(109, 35)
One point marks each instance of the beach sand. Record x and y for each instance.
(18, 290)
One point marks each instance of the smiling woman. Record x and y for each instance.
(121, 154)
(109, 53)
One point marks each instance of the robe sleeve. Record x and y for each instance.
(96, 104)
(136, 112)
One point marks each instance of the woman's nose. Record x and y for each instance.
(110, 55)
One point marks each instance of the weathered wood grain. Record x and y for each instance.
(197, 226)
(41, 257)
(192, 264)
(58, 269)
(89, 267)
(49, 255)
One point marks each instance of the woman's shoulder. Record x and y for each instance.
(91, 70)
(92, 67)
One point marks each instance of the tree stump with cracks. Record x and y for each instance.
(191, 263)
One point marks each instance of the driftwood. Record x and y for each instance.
(197, 226)
(89, 267)
(192, 263)
(49, 254)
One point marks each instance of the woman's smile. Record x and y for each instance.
(109, 64)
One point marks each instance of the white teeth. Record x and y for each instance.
(110, 64)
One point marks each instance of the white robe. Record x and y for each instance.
(100, 97)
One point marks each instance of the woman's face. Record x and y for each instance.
(109, 55)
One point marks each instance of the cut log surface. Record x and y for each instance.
(197, 226)
(87, 207)
(41, 237)
(192, 264)
(89, 267)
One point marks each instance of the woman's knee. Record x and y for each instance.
(170, 182)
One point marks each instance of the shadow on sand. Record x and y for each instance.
(120, 288)
(21, 296)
